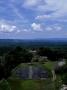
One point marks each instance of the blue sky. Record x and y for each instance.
(29, 19)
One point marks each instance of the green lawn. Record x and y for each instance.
(17, 84)
(49, 65)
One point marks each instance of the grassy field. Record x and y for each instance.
(18, 84)
(49, 65)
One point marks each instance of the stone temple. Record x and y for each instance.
(31, 72)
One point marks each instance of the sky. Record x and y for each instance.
(33, 19)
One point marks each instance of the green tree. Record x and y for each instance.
(15, 57)
(64, 78)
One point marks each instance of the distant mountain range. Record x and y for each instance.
(33, 42)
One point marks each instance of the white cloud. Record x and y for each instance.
(59, 8)
(42, 27)
(55, 28)
(30, 3)
(42, 17)
(26, 29)
(18, 31)
(7, 28)
(48, 28)
(15, 10)
(36, 27)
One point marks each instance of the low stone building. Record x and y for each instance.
(31, 72)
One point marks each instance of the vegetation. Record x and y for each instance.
(53, 54)
(11, 57)
(18, 84)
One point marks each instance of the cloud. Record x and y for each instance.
(44, 27)
(41, 17)
(58, 8)
(7, 28)
(26, 30)
(30, 3)
(15, 9)
(54, 28)
(36, 27)
(57, 27)
(48, 28)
